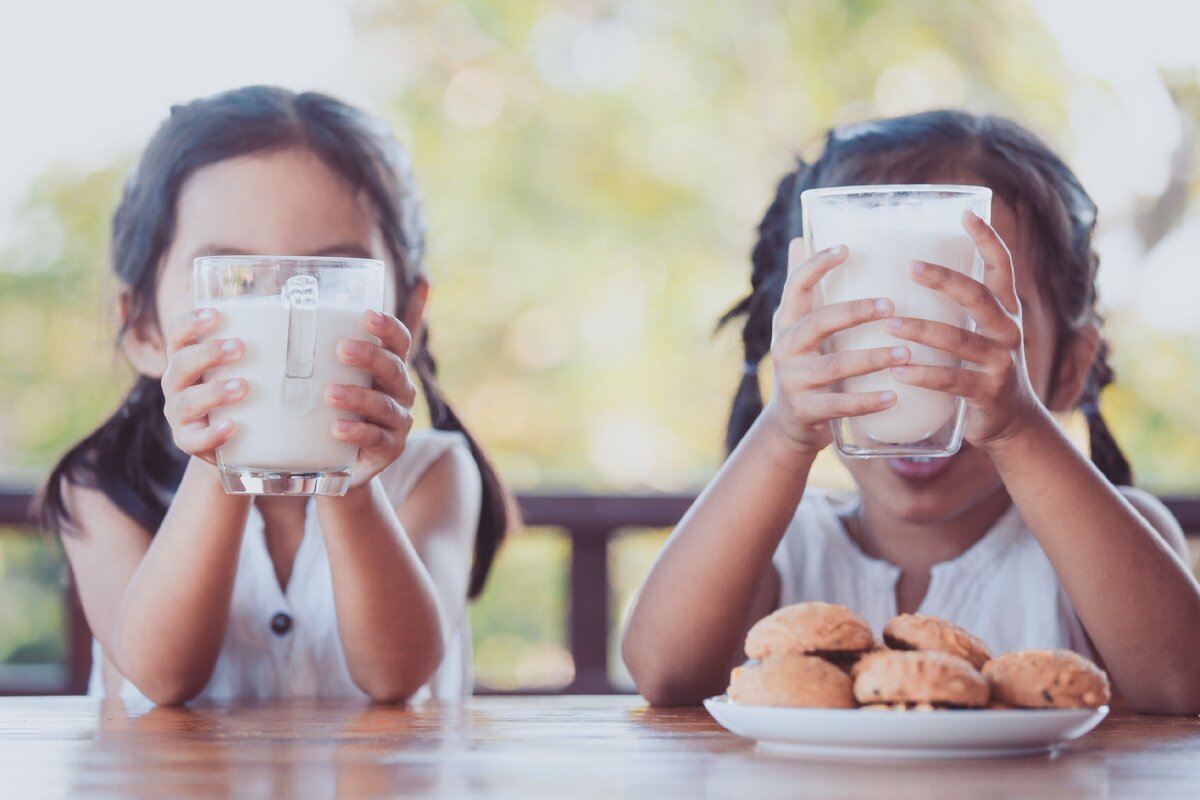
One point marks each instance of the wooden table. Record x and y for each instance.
(520, 747)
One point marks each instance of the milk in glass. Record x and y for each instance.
(282, 426)
(886, 229)
(877, 266)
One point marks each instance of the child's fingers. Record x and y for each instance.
(833, 405)
(194, 402)
(819, 324)
(187, 328)
(387, 368)
(965, 344)
(199, 437)
(795, 256)
(392, 333)
(188, 365)
(826, 370)
(951, 380)
(969, 293)
(802, 279)
(998, 272)
(376, 407)
(364, 434)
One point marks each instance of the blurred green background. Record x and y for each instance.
(593, 173)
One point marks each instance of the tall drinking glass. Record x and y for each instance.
(290, 312)
(885, 229)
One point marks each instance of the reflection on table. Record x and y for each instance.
(523, 746)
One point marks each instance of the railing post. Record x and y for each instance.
(587, 619)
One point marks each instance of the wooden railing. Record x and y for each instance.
(589, 521)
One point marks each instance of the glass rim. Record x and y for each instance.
(952, 189)
(344, 262)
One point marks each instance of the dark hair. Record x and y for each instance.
(923, 148)
(131, 458)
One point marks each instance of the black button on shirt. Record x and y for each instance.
(281, 624)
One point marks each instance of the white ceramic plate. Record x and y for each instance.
(857, 733)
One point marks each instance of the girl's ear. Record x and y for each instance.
(142, 342)
(1074, 367)
(413, 314)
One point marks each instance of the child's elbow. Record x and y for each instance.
(672, 687)
(162, 684)
(659, 682)
(648, 677)
(389, 695)
(169, 695)
(395, 686)
(1169, 708)
(385, 694)
(663, 690)
(168, 689)
(1177, 697)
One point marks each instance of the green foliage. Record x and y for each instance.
(519, 624)
(630, 555)
(597, 234)
(60, 373)
(32, 610)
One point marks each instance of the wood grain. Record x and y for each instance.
(571, 747)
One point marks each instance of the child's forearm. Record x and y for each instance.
(696, 604)
(172, 620)
(1134, 596)
(391, 627)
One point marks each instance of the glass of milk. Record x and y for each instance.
(290, 312)
(885, 229)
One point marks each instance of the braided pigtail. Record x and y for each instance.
(1106, 453)
(769, 258)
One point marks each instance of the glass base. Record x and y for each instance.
(251, 480)
(854, 442)
(888, 450)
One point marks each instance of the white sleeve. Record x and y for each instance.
(801, 547)
(424, 448)
(784, 561)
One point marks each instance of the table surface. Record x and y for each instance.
(523, 747)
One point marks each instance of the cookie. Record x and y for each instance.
(1047, 679)
(791, 679)
(921, 632)
(845, 660)
(894, 677)
(814, 628)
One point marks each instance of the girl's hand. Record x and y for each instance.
(802, 402)
(1000, 398)
(386, 408)
(188, 399)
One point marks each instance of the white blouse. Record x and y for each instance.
(1003, 588)
(286, 643)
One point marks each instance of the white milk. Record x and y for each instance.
(878, 266)
(274, 432)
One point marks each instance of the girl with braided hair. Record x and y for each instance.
(191, 592)
(1017, 537)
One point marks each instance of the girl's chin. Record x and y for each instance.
(919, 469)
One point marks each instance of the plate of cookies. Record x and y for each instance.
(819, 684)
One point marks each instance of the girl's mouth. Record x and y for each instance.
(919, 468)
